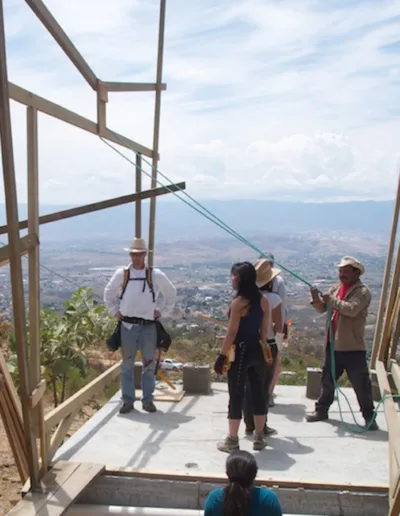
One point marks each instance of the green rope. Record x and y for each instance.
(217, 221)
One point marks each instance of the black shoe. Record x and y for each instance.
(149, 406)
(316, 416)
(269, 431)
(249, 431)
(373, 426)
(126, 408)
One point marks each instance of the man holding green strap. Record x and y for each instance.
(349, 301)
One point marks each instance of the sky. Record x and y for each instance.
(266, 99)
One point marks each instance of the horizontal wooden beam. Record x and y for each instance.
(27, 243)
(261, 480)
(133, 86)
(97, 206)
(76, 401)
(392, 419)
(70, 117)
(37, 394)
(55, 29)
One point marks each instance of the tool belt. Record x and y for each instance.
(136, 320)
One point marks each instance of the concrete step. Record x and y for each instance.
(104, 510)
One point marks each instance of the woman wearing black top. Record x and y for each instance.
(247, 331)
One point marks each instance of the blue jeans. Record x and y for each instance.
(145, 338)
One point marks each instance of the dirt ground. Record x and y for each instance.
(10, 483)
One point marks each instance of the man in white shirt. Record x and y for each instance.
(135, 306)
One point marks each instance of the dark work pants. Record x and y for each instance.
(356, 367)
(269, 370)
(247, 369)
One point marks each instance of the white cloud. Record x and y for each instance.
(292, 100)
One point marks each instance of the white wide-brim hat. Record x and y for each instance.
(265, 273)
(350, 260)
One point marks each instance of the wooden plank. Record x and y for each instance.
(78, 399)
(50, 484)
(10, 385)
(395, 370)
(365, 487)
(51, 24)
(27, 243)
(156, 132)
(96, 206)
(386, 279)
(389, 406)
(55, 110)
(133, 86)
(18, 302)
(102, 99)
(138, 204)
(44, 441)
(60, 433)
(37, 394)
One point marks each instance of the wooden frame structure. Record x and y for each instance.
(384, 365)
(29, 420)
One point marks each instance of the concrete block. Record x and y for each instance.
(196, 379)
(313, 388)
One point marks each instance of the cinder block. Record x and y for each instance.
(313, 388)
(196, 379)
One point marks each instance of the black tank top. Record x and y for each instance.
(250, 326)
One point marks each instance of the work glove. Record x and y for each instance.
(219, 364)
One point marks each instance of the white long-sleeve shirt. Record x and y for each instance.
(135, 302)
(279, 287)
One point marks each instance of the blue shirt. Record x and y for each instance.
(263, 503)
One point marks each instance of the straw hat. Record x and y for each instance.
(265, 273)
(137, 246)
(350, 260)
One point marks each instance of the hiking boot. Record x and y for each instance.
(316, 416)
(259, 442)
(126, 408)
(269, 431)
(230, 445)
(149, 406)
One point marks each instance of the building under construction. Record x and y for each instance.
(166, 463)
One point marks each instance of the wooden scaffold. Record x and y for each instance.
(23, 415)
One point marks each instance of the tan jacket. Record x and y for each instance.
(353, 311)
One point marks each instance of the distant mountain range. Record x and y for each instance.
(177, 220)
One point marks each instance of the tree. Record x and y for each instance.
(64, 339)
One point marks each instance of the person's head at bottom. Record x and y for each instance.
(241, 470)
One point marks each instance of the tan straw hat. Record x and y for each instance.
(265, 273)
(138, 246)
(350, 260)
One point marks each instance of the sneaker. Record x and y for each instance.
(259, 442)
(269, 431)
(230, 445)
(149, 406)
(316, 416)
(126, 408)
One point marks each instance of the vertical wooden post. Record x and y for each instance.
(156, 134)
(10, 191)
(138, 203)
(386, 278)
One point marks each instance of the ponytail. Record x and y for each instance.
(236, 499)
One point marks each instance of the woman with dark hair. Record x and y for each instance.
(240, 497)
(247, 332)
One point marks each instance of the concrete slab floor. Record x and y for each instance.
(182, 438)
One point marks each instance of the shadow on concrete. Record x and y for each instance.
(351, 429)
(76, 447)
(294, 412)
(161, 424)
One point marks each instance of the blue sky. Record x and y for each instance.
(283, 99)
